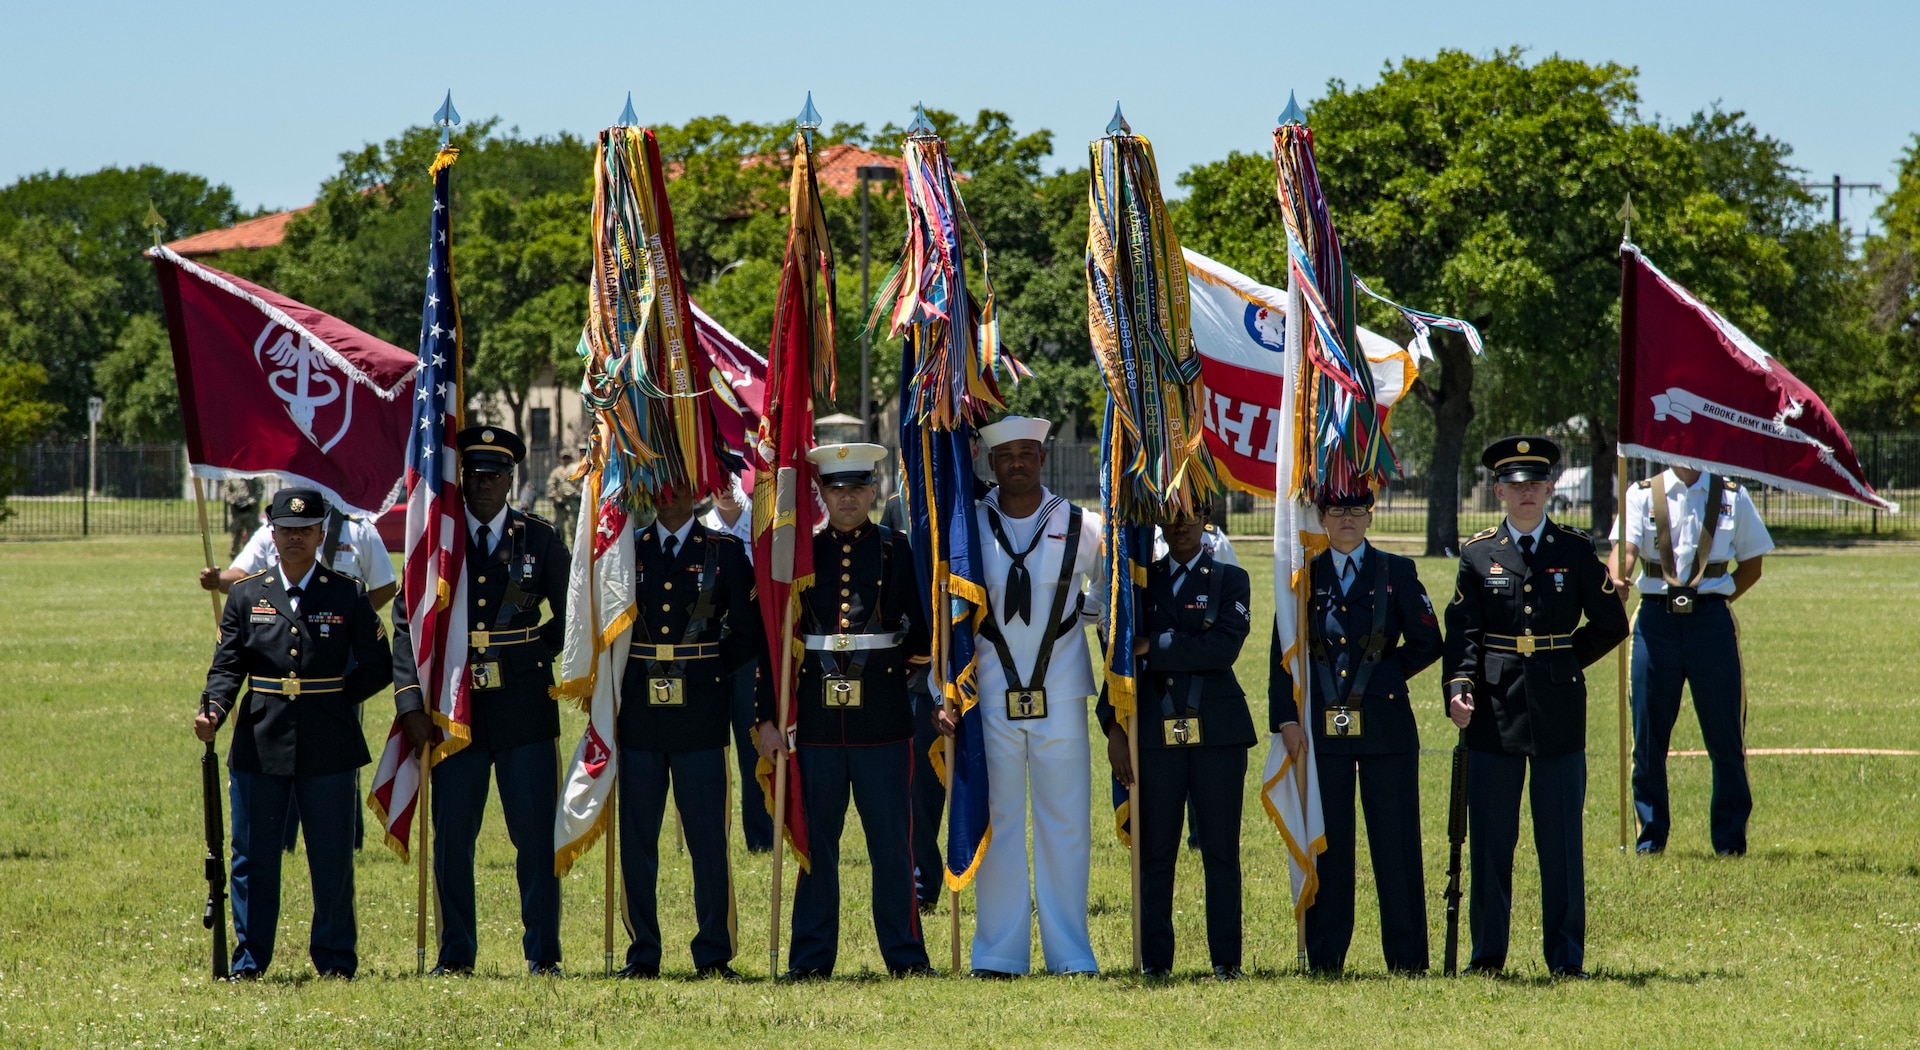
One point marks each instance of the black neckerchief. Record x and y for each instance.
(1018, 601)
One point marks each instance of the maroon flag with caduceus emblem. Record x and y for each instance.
(272, 386)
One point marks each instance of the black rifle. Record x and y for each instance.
(215, 918)
(1456, 837)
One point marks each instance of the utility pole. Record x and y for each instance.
(867, 173)
(1836, 186)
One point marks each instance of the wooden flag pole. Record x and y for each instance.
(780, 796)
(1135, 842)
(421, 872)
(611, 842)
(206, 547)
(937, 674)
(1622, 667)
(1306, 707)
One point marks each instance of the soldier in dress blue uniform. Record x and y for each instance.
(865, 633)
(1515, 655)
(698, 623)
(1194, 734)
(305, 646)
(1370, 628)
(514, 561)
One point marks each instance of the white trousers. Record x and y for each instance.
(1048, 760)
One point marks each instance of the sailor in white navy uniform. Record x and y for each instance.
(1038, 551)
(1685, 635)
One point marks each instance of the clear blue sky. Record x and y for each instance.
(264, 96)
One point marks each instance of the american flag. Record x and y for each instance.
(435, 581)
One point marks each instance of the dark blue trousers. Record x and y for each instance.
(528, 790)
(879, 780)
(699, 783)
(1211, 782)
(1389, 790)
(260, 806)
(1558, 793)
(1698, 650)
(929, 805)
(756, 824)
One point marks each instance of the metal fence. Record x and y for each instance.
(144, 489)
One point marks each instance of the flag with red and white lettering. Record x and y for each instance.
(434, 579)
(1239, 327)
(1696, 391)
(271, 387)
(601, 608)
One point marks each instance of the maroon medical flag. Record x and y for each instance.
(738, 378)
(1696, 391)
(271, 386)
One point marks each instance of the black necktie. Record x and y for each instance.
(1346, 575)
(483, 539)
(1526, 550)
(1179, 577)
(670, 543)
(293, 597)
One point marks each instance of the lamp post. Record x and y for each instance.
(867, 173)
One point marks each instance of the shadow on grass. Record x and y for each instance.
(1629, 978)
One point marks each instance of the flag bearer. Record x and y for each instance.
(299, 647)
(1194, 734)
(697, 624)
(1036, 675)
(1685, 635)
(864, 634)
(514, 561)
(1370, 628)
(1515, 653)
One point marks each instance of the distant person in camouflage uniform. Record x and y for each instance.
(564, 490)
(243, 511)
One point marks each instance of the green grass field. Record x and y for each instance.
(1814, 938)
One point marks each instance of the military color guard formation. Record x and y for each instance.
(301, 646)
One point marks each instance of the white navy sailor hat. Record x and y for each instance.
(1015, 428)
(847, 464)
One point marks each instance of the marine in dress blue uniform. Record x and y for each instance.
(1685, 635)
(514, 561)
(295, 656)
(1195, 730)
(697, 625)
(865, 634)
(1370, 628)
(1516, 650)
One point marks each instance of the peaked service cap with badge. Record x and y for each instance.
(1015, 428)
(1329, 498)
(1524, 457)
(297, 508)
(847, 464)
(490, 448)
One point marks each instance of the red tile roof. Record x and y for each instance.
(263, 232)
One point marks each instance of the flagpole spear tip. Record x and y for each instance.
(808, 120)
(921, 126)
(1118, 125)
(627, 118)
(1627, 215)
(153, 221)
(1292, 114)
(446, 116)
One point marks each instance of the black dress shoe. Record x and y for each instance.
(1227, 973)
(638, 972)
(719, 970)
(241, 976)
(993, 975)
(1484, 969)
(1156, 973)
(1649, 849)
(804, 973)
(1571, 973)
(928, 907)
(544, 969)
(443, 970)
(336, 973)
(1730, 852)
(916, 970)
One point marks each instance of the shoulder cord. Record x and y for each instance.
(1376, 643)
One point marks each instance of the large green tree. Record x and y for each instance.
(1486, 188)
(1885, 392)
